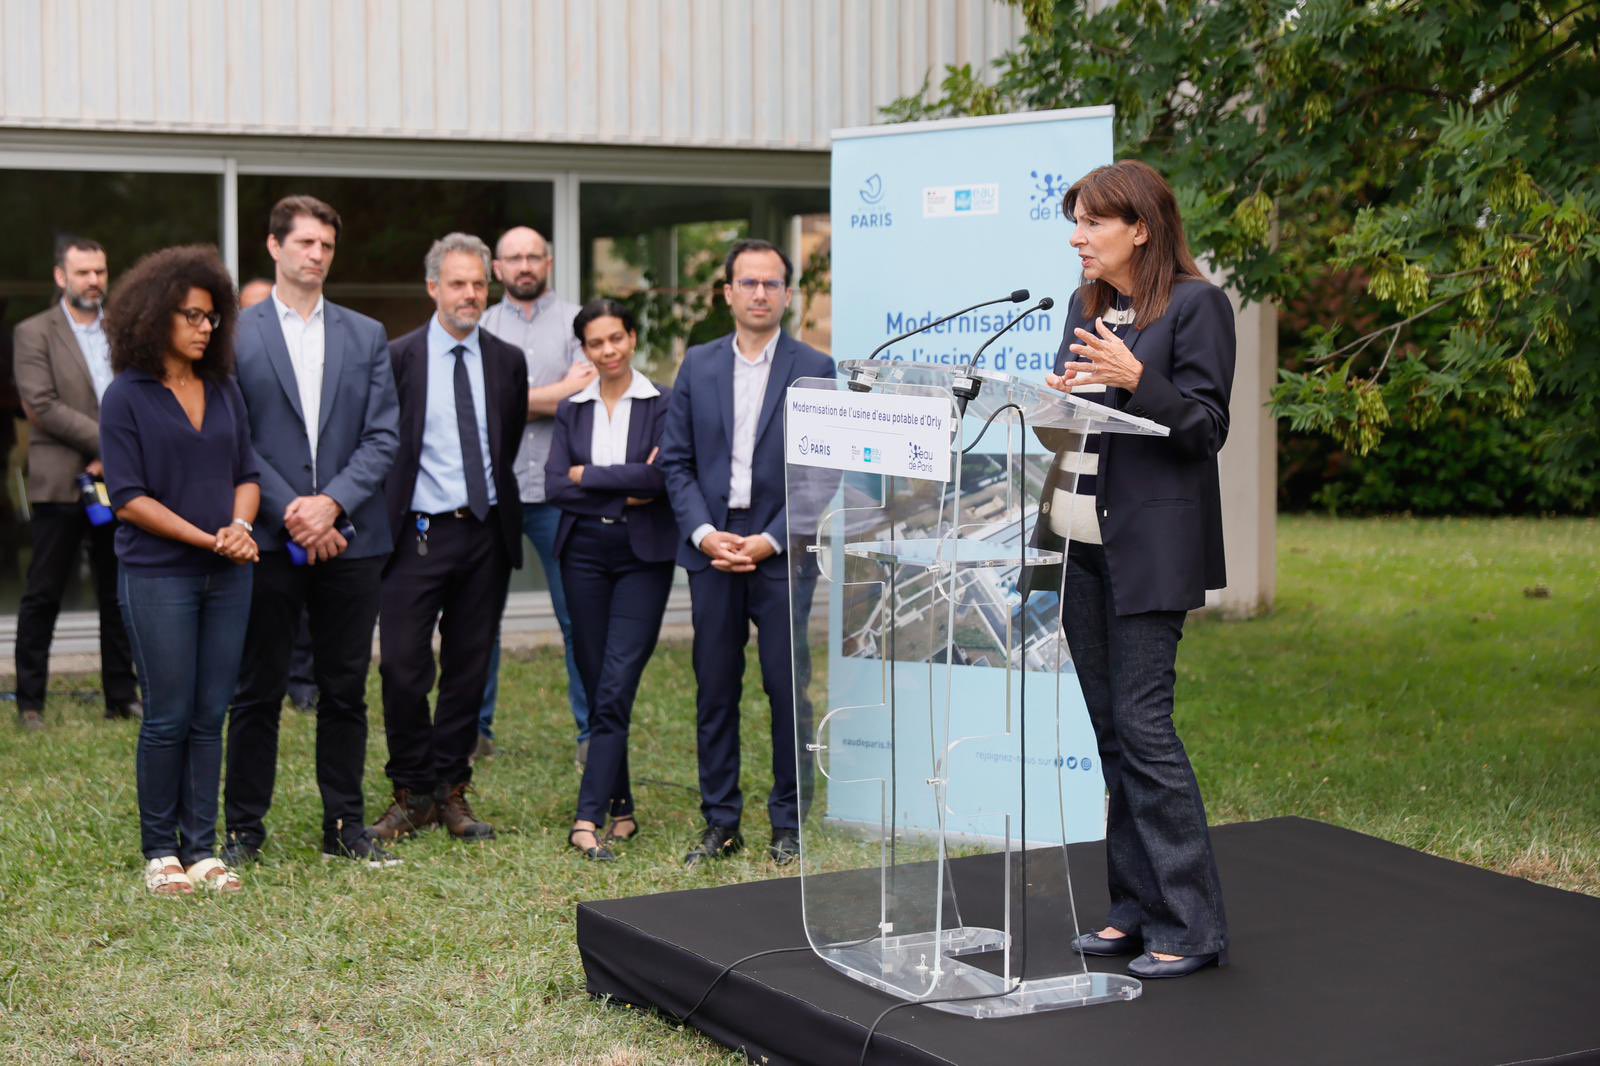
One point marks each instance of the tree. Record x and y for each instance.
(1444, 154)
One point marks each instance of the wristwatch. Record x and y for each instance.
(248, 528)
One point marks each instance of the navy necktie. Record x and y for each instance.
(471, 450)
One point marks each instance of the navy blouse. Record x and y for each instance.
(150, 448)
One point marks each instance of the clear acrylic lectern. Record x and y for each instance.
(932, 700)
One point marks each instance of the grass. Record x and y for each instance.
(1405, 686)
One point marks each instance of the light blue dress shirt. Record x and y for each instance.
(441, 474)
(95, 347)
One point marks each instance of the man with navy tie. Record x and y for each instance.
(319, 390)
(722, 457)
(453, 504)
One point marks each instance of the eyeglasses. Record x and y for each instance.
(529, 258)
(194, 316)
(749, 286)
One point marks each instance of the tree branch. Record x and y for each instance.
(1361, 342)
(1531, 69)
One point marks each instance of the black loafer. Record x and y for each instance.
(785, 847)
(1147, 965)
(1095, 944)
(239, 853)
(717, 842)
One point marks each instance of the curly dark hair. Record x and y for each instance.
(139, 313)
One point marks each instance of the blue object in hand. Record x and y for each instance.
(297, 554)
(96, 501)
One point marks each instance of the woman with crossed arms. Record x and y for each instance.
(617, 541)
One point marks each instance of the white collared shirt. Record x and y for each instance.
(749, 390)
(307, 344)
(608, 441)
(95, 347)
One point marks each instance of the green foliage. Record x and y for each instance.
(1447, 153)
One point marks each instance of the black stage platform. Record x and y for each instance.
(1346, 949)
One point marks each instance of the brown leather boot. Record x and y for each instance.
(455, 814)
(410, 812)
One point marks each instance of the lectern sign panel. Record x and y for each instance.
(875, 433)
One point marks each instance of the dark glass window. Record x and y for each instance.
(131, 214)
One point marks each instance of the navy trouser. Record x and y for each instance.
(341, 596)
(723, 606)
(187, 637)
(1161, 871)
(617, 603)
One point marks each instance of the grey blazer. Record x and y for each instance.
(54, 385)
(357, 430)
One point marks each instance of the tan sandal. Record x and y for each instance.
(164, 876)
(214, 875)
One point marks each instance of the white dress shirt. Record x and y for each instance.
(749, 391)
(608, 441)
(306, 339)
(95, 347)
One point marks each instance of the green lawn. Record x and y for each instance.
(1408, 685)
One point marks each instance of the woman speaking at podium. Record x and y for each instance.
(1144, 533)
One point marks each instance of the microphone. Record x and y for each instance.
(966, 386)
(860, 384)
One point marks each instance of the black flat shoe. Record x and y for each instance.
(1095, 944)
(1147, 965)
(598, 853)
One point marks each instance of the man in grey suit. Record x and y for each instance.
(324, 420)
(63, 365)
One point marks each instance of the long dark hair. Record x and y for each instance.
(139, 313)
(1136, 192)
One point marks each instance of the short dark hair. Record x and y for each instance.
(286, 210)
(139, 314)
(603, 307)
(68, 242)
(755, 244)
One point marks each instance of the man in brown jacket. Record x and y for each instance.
(63, 365)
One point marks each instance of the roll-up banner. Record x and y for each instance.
(928, 218)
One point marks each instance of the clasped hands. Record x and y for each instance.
(235, 544)
(310, 521)
(734, 554)
(1110, 362)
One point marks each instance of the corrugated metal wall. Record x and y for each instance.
(695, 73)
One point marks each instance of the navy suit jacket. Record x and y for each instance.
(357, 428)
(1158, 498)
(505, 387)
(652, 532)
(697, 445)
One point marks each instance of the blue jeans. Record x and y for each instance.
(539, 522)
(187, 638)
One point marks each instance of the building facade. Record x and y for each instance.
(639, 135)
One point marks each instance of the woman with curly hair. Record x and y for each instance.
(175, 441)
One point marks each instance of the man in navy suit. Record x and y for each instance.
(324, 419)
(722, 456)
(453, 504)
